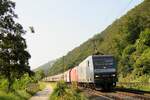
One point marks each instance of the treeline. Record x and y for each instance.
(128, 39)
(45, 67)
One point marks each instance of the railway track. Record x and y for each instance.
(95, 95)
(115, 94)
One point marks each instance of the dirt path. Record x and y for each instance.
(42, 95)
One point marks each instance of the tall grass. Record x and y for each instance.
(23, 88)
(53, 84)
(131, 78)
(63, 92)
(42, 85)
(3, 84)
(18, 95)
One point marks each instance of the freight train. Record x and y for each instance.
(96, 71)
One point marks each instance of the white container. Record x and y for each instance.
(85, 71)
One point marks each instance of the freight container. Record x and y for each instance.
(67, 76)
(74, 75)
(56, 77)
(85, 71)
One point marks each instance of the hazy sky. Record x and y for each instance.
(61, 25)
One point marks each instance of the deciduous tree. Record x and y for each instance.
(13, 54)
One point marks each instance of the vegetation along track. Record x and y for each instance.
(117, 94)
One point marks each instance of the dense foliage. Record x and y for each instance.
(23, 88)
(13, 54)
(128, 39)
(39, 74)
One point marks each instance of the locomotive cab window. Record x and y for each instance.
(105, 62)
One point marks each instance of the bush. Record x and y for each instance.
(59, 92)
(23, 88)
(32, 88)
(22, 83)
(136, 79)
(63, 92)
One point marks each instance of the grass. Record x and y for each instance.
(53, 84)
(137, 87)
(42, 85)
(63, 92)
(22, 89)
(22, 94)
(18, 95)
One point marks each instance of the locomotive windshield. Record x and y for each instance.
(103, 62)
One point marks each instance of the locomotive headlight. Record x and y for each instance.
(96, 75)
(113, 75)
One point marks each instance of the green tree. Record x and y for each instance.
(13, 54)
(142, 64)
(39, 74)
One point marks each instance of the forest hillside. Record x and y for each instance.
(127, 38)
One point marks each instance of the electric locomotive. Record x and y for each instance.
(98, 71)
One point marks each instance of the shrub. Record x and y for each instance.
(32, 88)
(3, 84)
(23, 82)
(59, 92)
(18, 95)
(136, 79)
(63, 92)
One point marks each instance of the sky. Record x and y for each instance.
(61, 25)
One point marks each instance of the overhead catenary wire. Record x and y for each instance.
(124, 9)
(94, 42)
(121, 11)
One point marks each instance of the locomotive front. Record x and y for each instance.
(104, 71)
